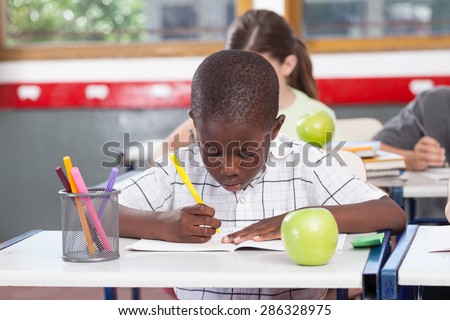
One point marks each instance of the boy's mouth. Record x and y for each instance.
(232, 187)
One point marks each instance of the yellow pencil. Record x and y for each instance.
(186, 180)
(83, 219)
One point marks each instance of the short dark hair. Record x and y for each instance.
(235, 85)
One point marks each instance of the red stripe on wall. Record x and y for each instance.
(375, 90)
(129, 95)
(176, 94)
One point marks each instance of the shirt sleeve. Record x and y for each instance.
(402, 130)
(332, 184)
(151, 190)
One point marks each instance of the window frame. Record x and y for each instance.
(2, 24)
(293, 14)
(85, 51)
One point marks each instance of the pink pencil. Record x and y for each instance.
(90, 207)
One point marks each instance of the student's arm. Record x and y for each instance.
(182, 136)
(181, 225)
(369, 216)
(426, 153)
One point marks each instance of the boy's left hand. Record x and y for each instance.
(267, 229)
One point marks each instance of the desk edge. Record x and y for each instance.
(19, 238)
(389, 273)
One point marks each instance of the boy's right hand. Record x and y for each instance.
(191, 224)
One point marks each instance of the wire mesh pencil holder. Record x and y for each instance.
(90, 225)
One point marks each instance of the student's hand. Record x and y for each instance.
(191, 224)
(427, 153)
(267, 229)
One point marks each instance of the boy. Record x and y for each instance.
(245, 176)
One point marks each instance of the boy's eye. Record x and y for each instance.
(249, 150)
(211, 150)
(247, 154)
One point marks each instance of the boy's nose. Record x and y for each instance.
(230, 166)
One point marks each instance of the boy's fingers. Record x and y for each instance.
(240, 236)
(267, 229)
(200, 231)
(202, 210)
(205, 221)
(271, 235)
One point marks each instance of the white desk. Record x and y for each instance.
(412, 265)
(417, 185)
(422, 268)
(36, 261)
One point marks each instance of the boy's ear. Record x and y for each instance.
(277, 126)
(192, 118)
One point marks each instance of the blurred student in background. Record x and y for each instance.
(268, 34)
(421, 133)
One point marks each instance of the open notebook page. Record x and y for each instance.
(438, 238)
(215, 244)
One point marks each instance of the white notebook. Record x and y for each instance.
(438, 239)
(215, 244)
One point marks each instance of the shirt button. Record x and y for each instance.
(242, 200)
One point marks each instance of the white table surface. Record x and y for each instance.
(36, 261)
(417, 185)
(422, 268)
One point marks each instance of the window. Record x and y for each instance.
(374, 18)
(366, 25)
(47, 28)
(201, 23)
(180, 22)
(43, 29)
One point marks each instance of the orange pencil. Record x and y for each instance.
(83, 220)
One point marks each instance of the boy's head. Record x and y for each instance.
(235, 85)
(234, 106)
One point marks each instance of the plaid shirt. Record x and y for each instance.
(296, 175)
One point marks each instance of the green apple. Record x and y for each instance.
(310, 236)
(315, 127)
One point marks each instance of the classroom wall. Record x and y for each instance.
(33, 143)
(164, 82)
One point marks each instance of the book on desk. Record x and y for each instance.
(378, 163)
(385, 160)
(363, 151)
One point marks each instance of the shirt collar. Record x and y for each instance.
(281, 147)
